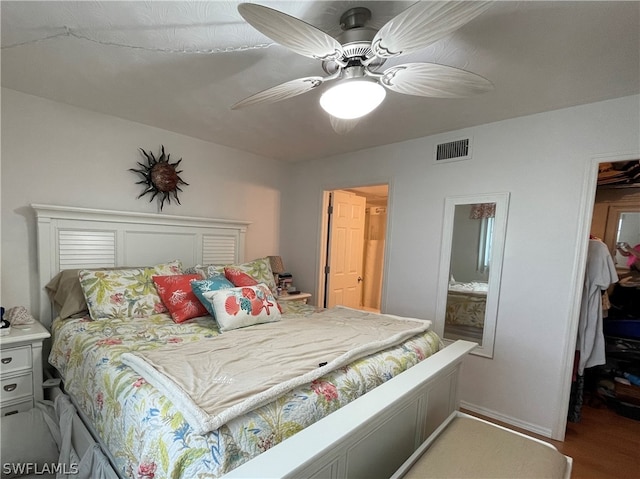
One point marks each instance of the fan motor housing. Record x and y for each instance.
(355, 40)
(355, 18)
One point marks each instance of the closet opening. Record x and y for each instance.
(607, 368)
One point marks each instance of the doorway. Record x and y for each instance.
(354, 228)
(615, 184)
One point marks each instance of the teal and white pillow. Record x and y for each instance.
(243, 306)
(212, 283)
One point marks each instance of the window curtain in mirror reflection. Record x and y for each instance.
(484, 245)
(483, 210)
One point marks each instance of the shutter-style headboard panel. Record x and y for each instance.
(86, 249)
(218, 249)
(73, 238)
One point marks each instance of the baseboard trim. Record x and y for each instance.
(542, 431)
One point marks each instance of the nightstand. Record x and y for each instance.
(302, 297)
(21, 368)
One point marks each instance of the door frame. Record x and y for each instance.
(323, 240)
(589, 187)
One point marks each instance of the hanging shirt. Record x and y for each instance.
(599, 275)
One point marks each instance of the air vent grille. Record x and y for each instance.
(454, 150)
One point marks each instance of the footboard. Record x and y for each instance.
(372, 436)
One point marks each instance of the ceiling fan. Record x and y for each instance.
(353, 59)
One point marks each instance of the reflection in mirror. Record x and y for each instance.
(627, 236)
(470, 269)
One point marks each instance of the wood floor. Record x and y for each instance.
(603, 445)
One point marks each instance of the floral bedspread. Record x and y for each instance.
(466, 309)
(147, 435)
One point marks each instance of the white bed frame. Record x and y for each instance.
(370, 437)
(71, 238)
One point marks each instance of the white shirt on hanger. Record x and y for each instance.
(599, 275)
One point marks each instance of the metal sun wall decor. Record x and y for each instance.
(161, 177)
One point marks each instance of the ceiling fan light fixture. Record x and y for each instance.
(352, 98)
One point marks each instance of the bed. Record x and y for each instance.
(411, 386)
(465, 312)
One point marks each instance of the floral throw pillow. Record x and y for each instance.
(244, 306)
(125, 293)
(213, 283)
(178, 297)
(259, 269)
(207, 270)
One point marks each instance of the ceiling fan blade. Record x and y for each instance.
(423, 23)
(342, 126)
(281, 92)
(433, 80)
(291, 32)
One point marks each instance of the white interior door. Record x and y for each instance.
(346, 243)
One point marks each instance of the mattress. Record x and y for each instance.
(148, 436)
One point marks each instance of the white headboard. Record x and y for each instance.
(71, 238)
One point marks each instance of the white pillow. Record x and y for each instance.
(243, 306)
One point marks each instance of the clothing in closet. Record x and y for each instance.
(599, 275)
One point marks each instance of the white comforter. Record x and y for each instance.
(213, 382)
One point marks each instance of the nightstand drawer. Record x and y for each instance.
(15, 359)
(16, 387)
(21, 406)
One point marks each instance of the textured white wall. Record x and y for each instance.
(57, 154)
(542, 161)
(52, 153)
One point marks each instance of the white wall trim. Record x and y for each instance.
(543, 431)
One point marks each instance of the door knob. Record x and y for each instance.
(359, 279)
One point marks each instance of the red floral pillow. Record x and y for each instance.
(239, 278)
(177, 295)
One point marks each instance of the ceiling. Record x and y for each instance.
(137, 61)
(619, 174)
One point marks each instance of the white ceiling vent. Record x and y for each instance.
(454, 150)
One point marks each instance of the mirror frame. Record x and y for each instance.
(495, 271)
(613, 220)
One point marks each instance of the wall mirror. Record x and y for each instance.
(623, 226)
(473, 238)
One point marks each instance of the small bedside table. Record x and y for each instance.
(21, 368)
(302, 297)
